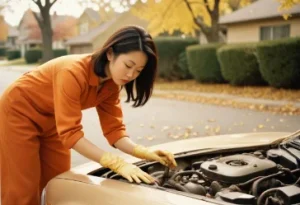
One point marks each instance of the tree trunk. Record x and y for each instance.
(213, 35)
(44, 21)
(47, 34)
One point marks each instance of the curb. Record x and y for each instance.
(236, 98)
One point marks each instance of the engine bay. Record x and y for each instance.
(264, 176)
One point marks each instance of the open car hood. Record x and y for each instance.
(212, 142)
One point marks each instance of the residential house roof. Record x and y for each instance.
(88, 38)
(94, 15)
(62, 26)
(261, 9)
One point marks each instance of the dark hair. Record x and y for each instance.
(125, 40)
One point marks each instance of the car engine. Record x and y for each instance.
(253, 177)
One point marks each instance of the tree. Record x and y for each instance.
(187, 16)
(286, 5)
(44, 21)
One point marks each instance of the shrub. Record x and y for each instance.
(239, 65)
(33, 55)
(13, 54)
(203, 63)
(59, 52)
(2, 51)
(182, 64)
(170, 63)
(280, 62)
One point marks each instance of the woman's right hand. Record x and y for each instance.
(128, 171)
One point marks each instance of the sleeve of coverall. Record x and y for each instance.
(111, 119)
(67, 107)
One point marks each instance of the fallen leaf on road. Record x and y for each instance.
(165, 128)
(150, 138)
(260, 126)
(186, 135)
(282, 109)
(190, 127)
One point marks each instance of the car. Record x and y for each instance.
(247, 168)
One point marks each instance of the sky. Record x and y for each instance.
(14, 13)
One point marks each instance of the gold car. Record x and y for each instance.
(250, 168)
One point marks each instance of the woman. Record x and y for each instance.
(41, 115)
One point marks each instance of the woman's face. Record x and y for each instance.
(126, 67)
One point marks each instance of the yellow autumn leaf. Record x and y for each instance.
(260, 126)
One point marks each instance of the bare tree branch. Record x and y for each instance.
(197, 21)
(216, 6)
(39, 4)
(51, 4)
(207, 7)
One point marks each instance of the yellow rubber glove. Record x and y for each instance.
(164, 157)
(128, 171)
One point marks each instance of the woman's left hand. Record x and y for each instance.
(164, 157)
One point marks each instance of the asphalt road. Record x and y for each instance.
(163, 120)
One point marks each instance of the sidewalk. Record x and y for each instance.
(18, 68)
(258, 101)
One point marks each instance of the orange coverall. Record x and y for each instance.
(40, 120)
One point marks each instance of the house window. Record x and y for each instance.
(84, 28)
(274, 32)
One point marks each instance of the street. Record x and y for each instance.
(163, 120)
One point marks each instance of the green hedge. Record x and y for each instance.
(239, 64)
(13, 54)
(59, 52)
(2, 51)
(203, 63)
(33, 55)
(183, 66)
(280, 62)
(171, 60)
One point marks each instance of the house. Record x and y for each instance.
(91, 19)
(30, 34)
(11, 42)
(259, 21)
(95, 38)
(4, 31)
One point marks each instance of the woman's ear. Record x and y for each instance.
(109, 54)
